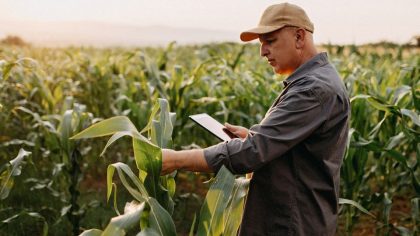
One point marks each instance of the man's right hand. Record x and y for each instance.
(239, 131)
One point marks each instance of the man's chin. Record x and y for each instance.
(277, 70)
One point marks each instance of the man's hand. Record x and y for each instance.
(191, 160)
(239, 131)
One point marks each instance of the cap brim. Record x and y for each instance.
(256, 32)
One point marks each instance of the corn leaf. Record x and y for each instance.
(160, 126)
(357, 205)
(118, 126)
(65, 130)
(212, 211)
(34, 215)
(10, 170)
(415, 210)
(114, 138)
(412, 115)
(166, 121)
(109, 127)
(235, 208)
(191, 233)
(91, 232)
(140, 194)
(119, 224)
(149, 159)
(148, 232)
(159, 219)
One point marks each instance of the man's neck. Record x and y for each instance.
(308, 54)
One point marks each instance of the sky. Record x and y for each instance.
(336, 21)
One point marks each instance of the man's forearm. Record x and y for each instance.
(191, 160)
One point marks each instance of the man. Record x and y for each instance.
(297, 149)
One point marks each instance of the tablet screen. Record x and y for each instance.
(213, 126)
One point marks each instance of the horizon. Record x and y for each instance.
(132, 23)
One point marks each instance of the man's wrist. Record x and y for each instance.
(190, 160)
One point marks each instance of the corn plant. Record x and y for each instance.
(8, 172)
(388, 145)
(153, 193)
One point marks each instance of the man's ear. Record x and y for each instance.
(300, 38)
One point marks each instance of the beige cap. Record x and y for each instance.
(276, 17)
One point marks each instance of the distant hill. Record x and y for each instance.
(107, 34)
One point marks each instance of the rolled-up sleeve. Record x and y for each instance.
(296, 116)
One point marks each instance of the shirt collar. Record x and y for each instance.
(318, 60)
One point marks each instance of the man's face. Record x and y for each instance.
(279, 47)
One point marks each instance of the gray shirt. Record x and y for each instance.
(295, 153)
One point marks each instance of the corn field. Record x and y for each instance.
(58, 104)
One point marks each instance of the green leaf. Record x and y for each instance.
(205, 100)
(359, 96)
(416, 183)
(159, 218)
(121, 169)
(65, 127)
(165, 125)
(355, 204)
(91, 232)
(160, 126)
(114, 138)
(212, 211)
(170, 184)
(412, 115)
(403, 231)
(401, 92)
(235, 207)
(395, 141)
(193, 226)
(375, 130)
(7, 69)
(32, 215)
(13, 168)
(377, 103)
(118, 127)
(398, 157)
(148, 232)
(119, 224)
(115, 199)
(110, 126)
(387, 204)
(149, 159)
(148, 127)
(48, 125)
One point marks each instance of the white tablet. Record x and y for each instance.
(213, 126)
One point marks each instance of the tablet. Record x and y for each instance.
(213, 126)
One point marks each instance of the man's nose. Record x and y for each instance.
(263, 50)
